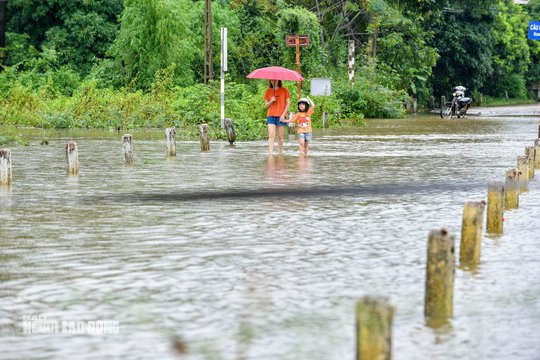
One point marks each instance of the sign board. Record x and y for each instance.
(290, 40)
(321, 87)
(534, 30)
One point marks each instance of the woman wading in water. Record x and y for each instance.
(277, 100)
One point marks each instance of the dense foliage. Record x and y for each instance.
(139, 63)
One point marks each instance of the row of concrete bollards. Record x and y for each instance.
(127, 143)
(72, 156)
(374, 315)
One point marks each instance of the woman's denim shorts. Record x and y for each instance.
(274, 120)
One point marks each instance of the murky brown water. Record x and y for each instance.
(163, 247)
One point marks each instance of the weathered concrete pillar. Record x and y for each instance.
(439, 296)
(325, 119)
(229, 128)
(72, 157)
(523, 168)
(6, 175)
(511, 189)
(408, 104)
(495, 204)
(537, 154)
(529, 153)
(204, 137)
(431, 103)
(291, 127)
(471, 233)
(374, 317)
(415, 105)
(170, 136)
(128, 149)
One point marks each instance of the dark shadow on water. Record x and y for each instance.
(276, 172)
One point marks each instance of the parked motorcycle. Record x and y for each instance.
(459, 104)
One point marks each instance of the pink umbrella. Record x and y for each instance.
(275, 73)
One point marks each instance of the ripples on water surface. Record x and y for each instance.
(165, 250)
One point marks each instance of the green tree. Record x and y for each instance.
(258, 42)
(154, 35)
(402, 50)
(533, 72)
(300, 21)
(80, 31)
(464, 41)
(511, 54)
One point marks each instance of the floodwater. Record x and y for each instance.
(215, 255)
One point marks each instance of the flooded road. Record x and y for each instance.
(217, 252)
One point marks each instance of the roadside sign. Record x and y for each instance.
(321, 87)
(534, 30)
(290, 40)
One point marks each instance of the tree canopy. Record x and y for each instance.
(422, 47)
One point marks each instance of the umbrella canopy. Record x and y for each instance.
(275, 73)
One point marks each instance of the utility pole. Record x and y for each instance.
(3, 8)
(351, 61)
(208, 71)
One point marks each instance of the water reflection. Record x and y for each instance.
(276, 168)
(5, 190)
(304, 164)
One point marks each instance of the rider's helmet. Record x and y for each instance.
(459, 91)
(303, 101)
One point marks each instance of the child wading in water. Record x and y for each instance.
(303, 123)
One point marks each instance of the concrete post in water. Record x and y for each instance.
(480, 99)
(170, 136)
(511, 189)
(5, 167)
(495, 207)
(529, 153)
(204, 137)
(415, 105)
(325, 119)
(291, 126)
(72, 157)
(523, 168)
(471, 233)
(537, 153)
(128, 149)
(432, 102)
(408, 104)
(374, 317)
(439, 296)
(443, 102)
(229, 128)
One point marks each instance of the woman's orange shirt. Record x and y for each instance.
(278, 107)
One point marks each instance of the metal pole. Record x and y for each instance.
(223, 69)
(3, 7)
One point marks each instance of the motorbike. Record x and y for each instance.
(459, 104)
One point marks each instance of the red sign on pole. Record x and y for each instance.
(290, 40)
